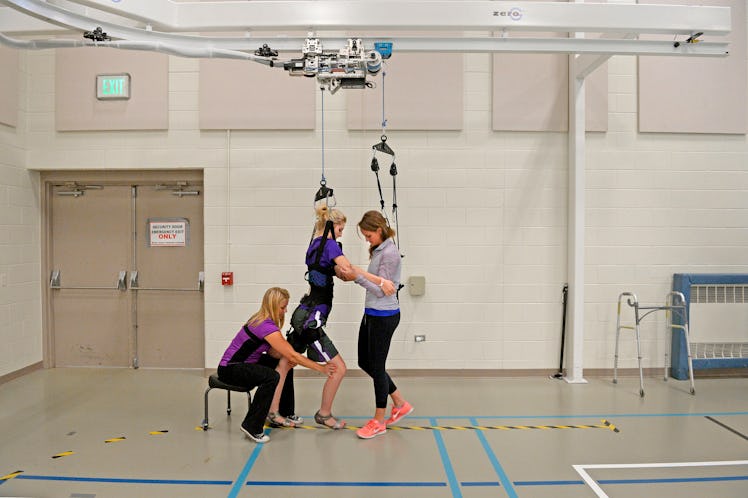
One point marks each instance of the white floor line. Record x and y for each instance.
(582, 469)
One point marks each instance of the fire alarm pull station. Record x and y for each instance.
(227, 278)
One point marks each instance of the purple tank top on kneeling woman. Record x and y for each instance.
(249, 343)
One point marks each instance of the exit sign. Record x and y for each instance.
(113, 86)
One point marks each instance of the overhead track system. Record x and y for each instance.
(346, 63)
(162, 22)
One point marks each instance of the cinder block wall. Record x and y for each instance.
(20, 291)
(482, 217)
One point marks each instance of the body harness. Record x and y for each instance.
(314, 307)
(311, 314)
(318, 276)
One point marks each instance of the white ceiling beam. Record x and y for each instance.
(595, 52)
(464, 15)
(595, 47)
(161, 13)
(408, 15)
(552, 45)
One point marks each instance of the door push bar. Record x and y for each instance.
(134, 285)
(54, 283)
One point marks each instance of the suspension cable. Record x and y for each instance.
(323, 181)
(384, 148)
(384, 120)
(393, 172)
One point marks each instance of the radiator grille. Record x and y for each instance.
(719, 321)
(719, 294)
(719, 350)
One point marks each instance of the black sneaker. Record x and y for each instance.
(257, 438)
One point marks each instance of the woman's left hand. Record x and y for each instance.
(388, 287)
(330, 369)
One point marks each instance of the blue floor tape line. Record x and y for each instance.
(404, 484)
(337, 484)
(548, 483)
(122, 480)
(662, 480)
(446, 462)
(506, 483)
(541, 417)
(582, 415)
(245, 471)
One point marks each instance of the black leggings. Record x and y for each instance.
(374, 337)
(252, 375)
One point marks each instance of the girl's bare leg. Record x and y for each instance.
(331, 386)
(282, 369)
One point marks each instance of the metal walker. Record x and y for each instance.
(675, 302)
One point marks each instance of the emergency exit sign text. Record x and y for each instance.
(113, 86)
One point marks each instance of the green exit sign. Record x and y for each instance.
(113, 86)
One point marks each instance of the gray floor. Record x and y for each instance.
(535, 431)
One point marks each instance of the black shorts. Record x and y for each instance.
(314, 342)
(319, 346)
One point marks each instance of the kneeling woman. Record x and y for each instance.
(240, 364)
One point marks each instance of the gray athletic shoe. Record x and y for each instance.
(295, 419)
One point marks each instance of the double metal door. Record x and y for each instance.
(125, 274)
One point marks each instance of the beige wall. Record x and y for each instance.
(241, 96)
(20, 293)
(531, 92)
(704, 95)
(76, 105)
(8, 86)
(482, 215)
(421, 92)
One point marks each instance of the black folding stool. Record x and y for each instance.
(215, 383)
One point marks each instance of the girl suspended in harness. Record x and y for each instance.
(323, 257)
(324, 260)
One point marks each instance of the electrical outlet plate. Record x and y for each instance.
(420, 338)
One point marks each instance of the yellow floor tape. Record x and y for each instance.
(605, 425)
(11, 475)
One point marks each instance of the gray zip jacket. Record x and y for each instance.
(385, 262)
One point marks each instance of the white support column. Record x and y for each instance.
(585, 64)
(575, 237)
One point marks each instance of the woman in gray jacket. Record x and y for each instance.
(381, 318)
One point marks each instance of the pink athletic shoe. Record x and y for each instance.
(372, 429)
(398, 413)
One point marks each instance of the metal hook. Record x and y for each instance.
(383, 147)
